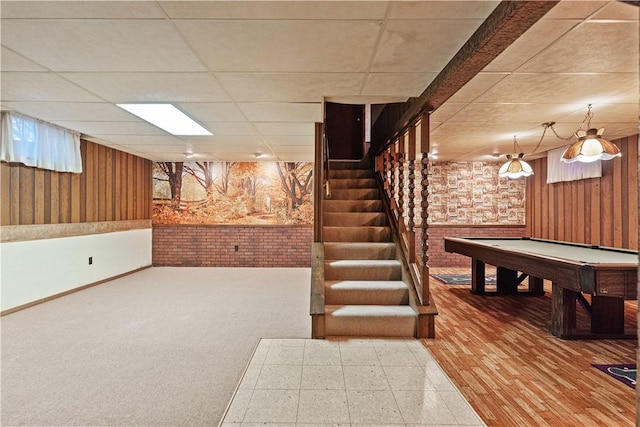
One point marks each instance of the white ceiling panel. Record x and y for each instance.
(282, 111)
(289, 10)
(320, 46)
(74, 111)
(26, 86)
(289, 87)
(80, 45)
(257, 72)
(403, 39)
(81, 10)
(11, 61)
(397, 84)
(151, 87)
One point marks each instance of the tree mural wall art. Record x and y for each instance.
(276, 193)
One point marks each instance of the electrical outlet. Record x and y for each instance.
(90, 260)
(236, 248)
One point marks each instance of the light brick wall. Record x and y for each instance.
(437, 255)
(214, 246)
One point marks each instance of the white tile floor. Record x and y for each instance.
(349, 382)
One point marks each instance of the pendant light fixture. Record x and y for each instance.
(515, 167)
(590, 146)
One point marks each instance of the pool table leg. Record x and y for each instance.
(536, 285)
(477, 277)
(607, 315)
(563, 311)
(506, 281)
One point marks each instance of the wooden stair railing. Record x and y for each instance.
(396, 182)
(320, 186)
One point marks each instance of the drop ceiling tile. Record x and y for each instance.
(476, 87)
(558, 88)
(574, 9)
(230, 128)
(223, 140)
(602, 113)
(280, 128)
(285, 46)
(445, 112)
(282, 111)
(26, 86)
(540, 36)
(72, 111)
(610, 47)
(618, 10)
(288, 87)
(111, 128)
(212, 111)
(81, 45)
(81, 9)
(421, 46)
(442, 9)
(365, 99)
(291, 148)
(275, 9)
(139, 140)
(12, 61)
(308, 140)
(509, 113)
(151, 87)
(397, 84)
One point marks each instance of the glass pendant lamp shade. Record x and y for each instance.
(590, 147)
(515, 167)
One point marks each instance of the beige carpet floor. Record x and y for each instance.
(163, 347)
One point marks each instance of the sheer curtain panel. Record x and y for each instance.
(39, 144)
(558, 171)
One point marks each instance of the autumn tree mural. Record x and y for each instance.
(233, 193)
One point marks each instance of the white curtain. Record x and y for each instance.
(558, 171)
(39, 144)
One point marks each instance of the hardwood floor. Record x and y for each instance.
(501, 356)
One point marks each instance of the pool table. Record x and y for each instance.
(608, 276)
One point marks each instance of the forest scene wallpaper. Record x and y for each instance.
(277, 193)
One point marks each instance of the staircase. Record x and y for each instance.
(364, 290)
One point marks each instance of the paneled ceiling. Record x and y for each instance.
(255, 73)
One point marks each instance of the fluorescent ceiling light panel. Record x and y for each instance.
(166, 117)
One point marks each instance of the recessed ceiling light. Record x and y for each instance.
(166, 117)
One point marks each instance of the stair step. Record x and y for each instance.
(332, 205)
(354, 219)
(346, 164)
(370, 320)
(366, 292)
(352, 183)
(356, 234)
(355, 194)
(350, 173)
(358, 269)
(359, 250)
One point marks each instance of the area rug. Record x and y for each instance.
(625, 373)
(461, 279)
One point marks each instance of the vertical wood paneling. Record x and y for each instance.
(113, 186)
(5, 199)
(601, 211)
(27, 199)
(38, 196)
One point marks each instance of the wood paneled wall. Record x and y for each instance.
(114, 186)
(599, 211)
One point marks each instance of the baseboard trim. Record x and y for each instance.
(69, 292)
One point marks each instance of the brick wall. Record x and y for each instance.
(215, 246)
(437, 255)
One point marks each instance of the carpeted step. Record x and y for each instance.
(356, 234)
(352, 205)
(359, 250)
(353, 219)
(351, 173)
(352, 183)
(366, 292)
(355, 194)
(347, 164)
(357, 269)
(370, 320)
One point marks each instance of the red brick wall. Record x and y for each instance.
(437, 255)
(214, 246)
